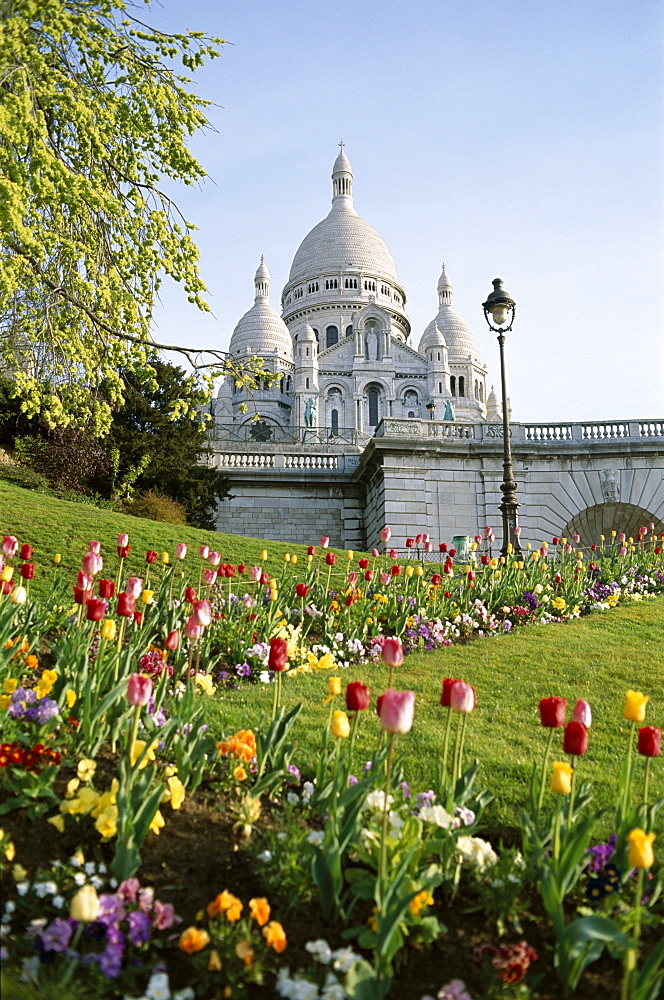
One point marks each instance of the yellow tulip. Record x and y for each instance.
(635, 706)
(6, 573)
(287, 557)
(293, 559)
(264, 555)
(601, 538)
(57, 559)
(310, 558)
(19, 595)
(409, 571)
(350, 554)
(561, 779)
(340, 725)
(419, 571)
(147, 596)
(640, 854)
(165, 558)
(108, 629)
(334, 685)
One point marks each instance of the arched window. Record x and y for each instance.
(334, 422)
(440, 387)
(331, 336)
(306, 384)
(461, 386)
(453, 384)
(411, 414)
(349, 331)
(373, 407)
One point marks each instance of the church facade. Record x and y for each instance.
(365, 427)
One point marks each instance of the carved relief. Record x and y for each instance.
(610, 482)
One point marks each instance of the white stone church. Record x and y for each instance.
(364, 429)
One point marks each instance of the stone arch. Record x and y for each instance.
(603, 518)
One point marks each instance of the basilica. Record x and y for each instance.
(361, 425)
(343, 345)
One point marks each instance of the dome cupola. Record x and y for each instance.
(459, 338)
(261, 330)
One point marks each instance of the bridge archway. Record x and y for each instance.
(603, 518)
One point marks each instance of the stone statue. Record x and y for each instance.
(449, 410)
(310, 412)
(610, 482)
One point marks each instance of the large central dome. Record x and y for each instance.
(342, 240)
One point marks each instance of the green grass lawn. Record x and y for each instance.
(51, 526)
(596, 658)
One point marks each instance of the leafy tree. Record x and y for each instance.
(92, 118)
(153, 452)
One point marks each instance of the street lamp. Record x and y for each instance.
(431, 407)
(499, 311)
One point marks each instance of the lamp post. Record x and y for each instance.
(500, 308)
(431, 408)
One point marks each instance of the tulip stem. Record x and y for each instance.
(132, 734)
(446, 743)
(462, 739)
(646, 778)
(277, 695)
(545, 762)
(556, 835)
(455, 761)
(386, 813)
(632, 955)
(353, 733)
(570, 804)
(628, 771)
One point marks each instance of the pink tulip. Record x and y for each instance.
(248, 601)
(488, 531)
(386, 534)
(419, 539)
(621, 536)
(214, 558)
(393, 554)
(353, 578)
(84, 580)
(9, 546)
(204, 551)
(576, 539)
(209, 575)
(324, 542)
(582, 713)
(202, 613)
(255, 573)
(193, 630)
(478, 539)
(425, 537)
(134, 587)
(92, 563)
(568, 549)
(172, 640)
(385, 579)
(428, 546)
(462, 697)
(123, 541)
(392, 652)
(180, 550)
(517, 531)
(139, 690)
(375, 553)
(396, 710)
(94, 547)
(622, 551)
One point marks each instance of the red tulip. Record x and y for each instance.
(150, 556)
(172, 640)
(349, 601)
(410, 542)
(575, 740)
(445, 698)
(555, 539)
(126, 605)
(453, 552)
(81, 594)
(190, 594)
(139, 690)
(552, 712)
(138, 617)
(363, 563)
(265, 579)
(95, 609)
(358, 696)
(106, 588)
(301, 589)
(330, 558)
(462, 697)
(650, 741)
(278, 657)
(229, 570)
(396, 570)
(123, 551)
(392, 652)
(485, 560)
(396, 710)
(26, 552)
(436, 579)
(368, 576)
(241, 568)
(442, 547)
(27, 571)
(311, 550)
(593, 548)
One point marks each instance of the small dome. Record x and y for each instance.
(494, 410)
(459, 338)
(307, 333)
(432, 337)
(342, 165)
(261, 329)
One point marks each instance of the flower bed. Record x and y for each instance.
(106, 740)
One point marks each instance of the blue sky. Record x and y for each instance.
(508, 138)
